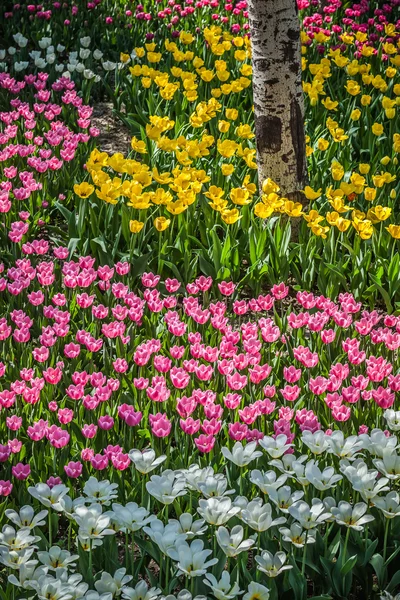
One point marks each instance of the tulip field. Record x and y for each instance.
(199, 376)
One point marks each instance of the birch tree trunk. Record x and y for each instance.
(278, 94)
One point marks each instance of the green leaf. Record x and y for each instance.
(369, 552)
(384, 294)
(348, 565)
(139, 265)
(150, 549)
(394, 582)
(379, 568)
(298, 583)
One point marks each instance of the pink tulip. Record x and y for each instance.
(5, 487)
(73, 469)
(21, 471)
(205, 443)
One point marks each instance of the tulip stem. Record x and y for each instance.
(126, 550)
(387, 524)
(345, 544)
(143, 489)
(133, 554)
(90, 569)
(50, 531)
(303, 566)
(166, 574)
(69, 534)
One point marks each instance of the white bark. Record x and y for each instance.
(278, 95)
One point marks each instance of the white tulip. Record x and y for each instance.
(40, 63)
(17, 540)
(389, 505)
(214, 485)
(242, 455)
(28, 571)
(26, 517)
(49, 587)
(193, 559)
(286, 464)
(145, 461)
(259, 516)
(351, 516)
(275, 447)
(267, 481)
(131, 517)
(84, 53)
(183, 595)
(101, 492)
(296, 536)
(44, 43)
(14, 560)
(56, 558)
(256, 591)
(309, 517)
(166, 487)
(272, 564)
(93, 524)
(20, 40)
(376, 442)
(93, 595)
(49, 497)
(222, 589)
(167, 537)
(85, 41)
(344, 447)
(392, 418)
(284, 497)
(389, 464)
(109, 66)
(321, 480)
(194, 475)
(317, 442)
(113, 584)
(232, 543)
(141, 592)
(88, 74)
(186, 525)
(217, 511)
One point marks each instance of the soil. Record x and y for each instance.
(114, 136)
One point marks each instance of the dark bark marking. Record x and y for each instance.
(261, 64)
(298, 138)
(268, 134)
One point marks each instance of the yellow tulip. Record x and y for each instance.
(136, 226)
(310, 194)
(230, 216)
(394, 231)
(377, 129)
(84, 189)
(227, 169)
(161, 223)
(270, 187)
